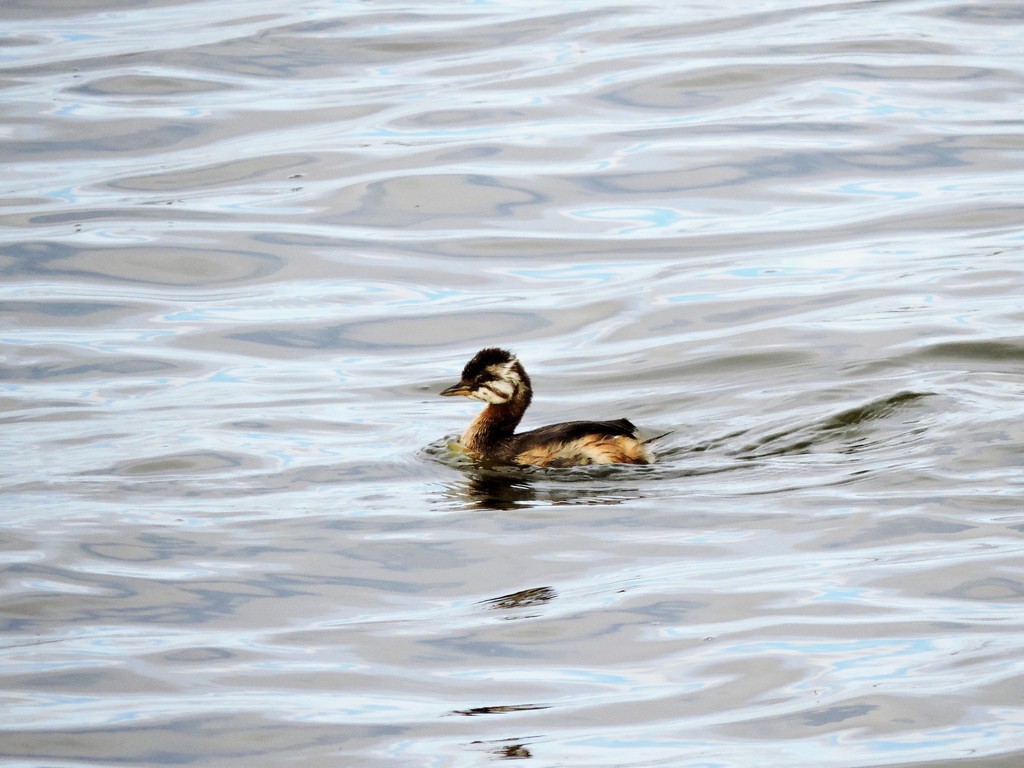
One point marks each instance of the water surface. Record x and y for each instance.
(246, 244)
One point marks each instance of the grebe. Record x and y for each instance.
(494, 376)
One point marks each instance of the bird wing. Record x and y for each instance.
(567, 431)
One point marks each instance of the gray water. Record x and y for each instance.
(244, 245)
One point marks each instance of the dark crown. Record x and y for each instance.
(483, 360)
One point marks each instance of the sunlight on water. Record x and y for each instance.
(246, 245)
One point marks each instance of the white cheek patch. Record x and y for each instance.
(508, 373)
(487, 396)
(494, 392)
(501, 388)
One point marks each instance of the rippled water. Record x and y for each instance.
(246, 244)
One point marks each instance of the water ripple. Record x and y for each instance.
(245, 247)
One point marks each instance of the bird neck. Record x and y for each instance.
(496, 423)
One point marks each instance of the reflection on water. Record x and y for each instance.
(524, 597)
(245, 244)
(499, 710)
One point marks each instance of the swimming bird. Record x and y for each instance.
(496, 377)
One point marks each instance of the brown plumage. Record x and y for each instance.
(494, 376)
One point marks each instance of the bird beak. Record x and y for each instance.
(457, 389)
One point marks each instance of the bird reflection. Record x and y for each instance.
(486, 490)
(491, 489)
(513, 752)
(509, 749)
(524, 598)
(499, 709)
